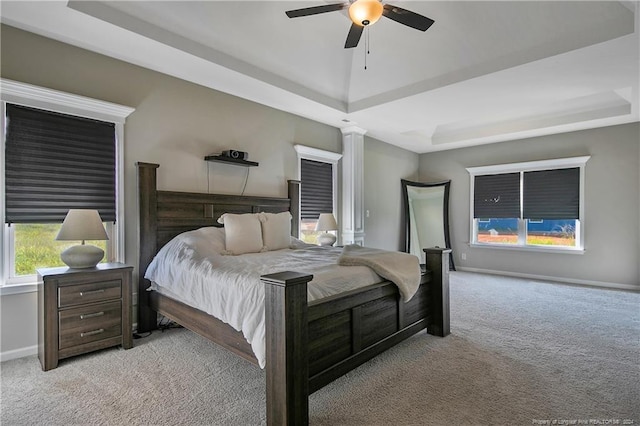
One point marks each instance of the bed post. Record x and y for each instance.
(294, 197)
(287, 348)
(148, 203)
(438, 264)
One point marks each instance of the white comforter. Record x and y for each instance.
(191, 268)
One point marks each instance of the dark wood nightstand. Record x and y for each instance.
(83, 310)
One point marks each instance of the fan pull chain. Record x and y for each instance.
(366, 45)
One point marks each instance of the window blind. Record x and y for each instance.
(316, 189)
(496, 196)
(56, 162)
(551, 194)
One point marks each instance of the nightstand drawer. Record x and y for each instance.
(89, 324)
(88, 293)
(90, 316)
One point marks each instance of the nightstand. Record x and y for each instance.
(83, 310)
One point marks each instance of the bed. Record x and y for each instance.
(308, 344)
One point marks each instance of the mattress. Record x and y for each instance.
(192, 268)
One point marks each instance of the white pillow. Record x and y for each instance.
(276, 230)
(207, 241)
(221, 218)
(243, 233)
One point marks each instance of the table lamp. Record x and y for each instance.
(326, 222)
(81, 224)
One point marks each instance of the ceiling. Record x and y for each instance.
(484, 72)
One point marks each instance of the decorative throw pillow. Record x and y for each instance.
(243, 233)
(276, 230)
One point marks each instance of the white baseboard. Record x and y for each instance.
(18, 353)
(33, 350)
(589, 283)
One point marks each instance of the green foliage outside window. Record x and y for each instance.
(308, 232)
(36, 247)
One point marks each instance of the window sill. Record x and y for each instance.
(10, 289)
(539, 249)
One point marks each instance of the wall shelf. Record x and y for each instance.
(230, 160)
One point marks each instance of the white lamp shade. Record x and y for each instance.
(81, 224)
(326, 222)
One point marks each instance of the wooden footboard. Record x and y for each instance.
(311, 344)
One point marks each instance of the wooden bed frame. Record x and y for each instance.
(308, 345)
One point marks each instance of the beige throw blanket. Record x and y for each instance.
(403, 269)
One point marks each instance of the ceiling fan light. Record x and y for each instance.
(365, 12)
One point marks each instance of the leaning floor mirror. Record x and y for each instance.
(426, 217)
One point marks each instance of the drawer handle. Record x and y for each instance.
(91, 333)
(96, 314)
(88, 293)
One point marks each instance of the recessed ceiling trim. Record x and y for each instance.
(108, 14)
(577, 40)
(600, 106)
(471, 96)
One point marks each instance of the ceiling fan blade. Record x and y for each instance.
(406, 17)
(316, 10)
(354, 36)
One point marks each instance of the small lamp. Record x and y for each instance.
(326, 222)
(80, 224)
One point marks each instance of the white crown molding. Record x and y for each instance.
(53, 100)
(317, 154)
(554, 163)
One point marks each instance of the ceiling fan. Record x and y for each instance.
(366, 12)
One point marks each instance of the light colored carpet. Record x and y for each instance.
(521, 352)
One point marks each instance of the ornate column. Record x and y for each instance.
(352, 185)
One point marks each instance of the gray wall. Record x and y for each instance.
(384, 166)
(18, 324)
(176, 124)
(612, 204)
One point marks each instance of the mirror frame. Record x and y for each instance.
(445, 212)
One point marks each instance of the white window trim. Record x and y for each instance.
(315, 154)
(528, 166)
(52, 100)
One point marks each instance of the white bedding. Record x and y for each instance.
(191, 269)
(403, 269)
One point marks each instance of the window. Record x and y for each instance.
(318, 188)
(535, 205)
(54, 162)
(59, 151)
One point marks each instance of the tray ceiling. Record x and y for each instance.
(484, 72)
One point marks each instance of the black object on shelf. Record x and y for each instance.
(230, 160)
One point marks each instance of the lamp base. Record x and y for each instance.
(326, 239)
(82, 256)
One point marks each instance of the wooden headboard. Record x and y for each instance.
(165, 214)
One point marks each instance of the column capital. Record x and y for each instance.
(353, 129)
